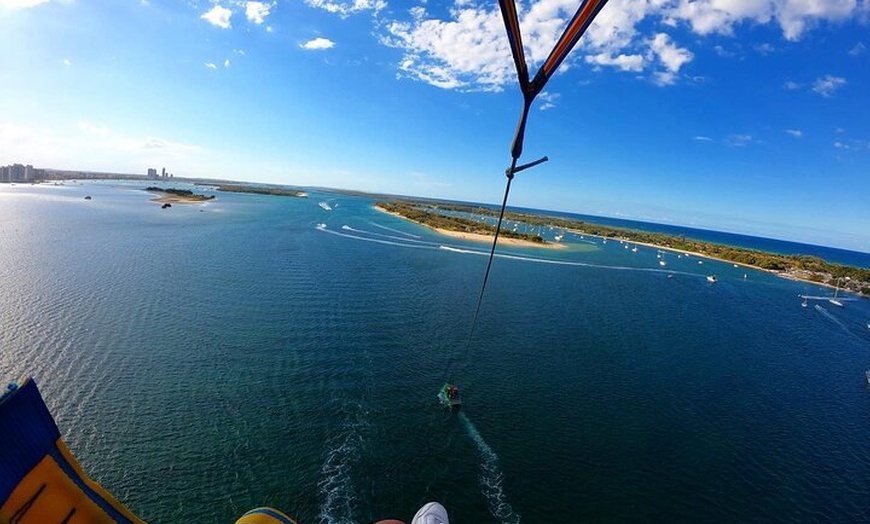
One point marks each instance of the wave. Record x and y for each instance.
(490, 477)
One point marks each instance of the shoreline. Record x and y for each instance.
(792, 275)
(479, 237)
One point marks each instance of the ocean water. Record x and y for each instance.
(209, 358)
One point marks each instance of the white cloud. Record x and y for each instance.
(227, 63)
(828, 85)
(318, 43)
(797, 133)
(549, 100)
(210, 65)
(670, 56)
(702, 138)
(219, 16)
(793, 16)
(256, 12)
(791, 85)
(466, 48)
(67, 62)
(92, 129)
(621, 62)
(21, 4)
(345, 8)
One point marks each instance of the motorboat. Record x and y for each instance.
(449, 396)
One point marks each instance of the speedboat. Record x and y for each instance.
(712, 279)
(449, 396)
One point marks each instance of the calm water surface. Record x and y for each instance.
(209, 358)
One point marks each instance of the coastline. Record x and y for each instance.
(478, 237)
(796, 275)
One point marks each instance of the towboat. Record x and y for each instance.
(449, 396)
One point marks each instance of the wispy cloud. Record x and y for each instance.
(66, 62)
(549, 100)
(739, 140)
(797, 133)
(852, 145)
(702, 138)
(345, 8)
(318, 44)
(21, 4)
(828, 85)
(168, 146)
(218, 16)
(791, 85)
(227, 63)
(210, 65)
(858, 50)
(92, 129)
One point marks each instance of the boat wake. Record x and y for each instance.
(490, 477)
(367, 236)
(827, 314)
(337, 488)
(395, 230)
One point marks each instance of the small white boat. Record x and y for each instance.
(712, 279)
(325, 206)
(836, 302)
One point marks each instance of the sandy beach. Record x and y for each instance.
(176, 199)
(477, 237)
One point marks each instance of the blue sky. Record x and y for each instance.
(751, 116)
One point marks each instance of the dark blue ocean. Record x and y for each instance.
(256, 350)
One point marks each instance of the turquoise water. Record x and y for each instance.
(209, 358)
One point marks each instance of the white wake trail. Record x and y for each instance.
(490, 477)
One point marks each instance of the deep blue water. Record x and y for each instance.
(209, 358)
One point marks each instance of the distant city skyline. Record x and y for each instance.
(750, 118)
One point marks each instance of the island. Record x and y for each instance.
(452, 218)
(458, 226)
(230, 188)
(180, 196)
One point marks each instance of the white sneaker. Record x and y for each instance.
(431, 513)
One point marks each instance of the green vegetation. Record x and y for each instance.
(802, 267)
(429, 216)
(262, 190)
(183, 193)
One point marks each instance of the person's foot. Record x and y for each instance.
(431, 513)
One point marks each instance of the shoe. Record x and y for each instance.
(431, 513)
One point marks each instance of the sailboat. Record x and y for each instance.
(833, 300)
